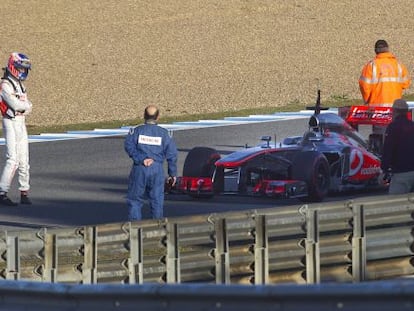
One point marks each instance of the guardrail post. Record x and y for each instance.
(173, 256)
(312, 247)
(13, 258)
(359, 247)
(51, 258)
(221, 254)
(261, 252)
(89, 272)
(136, 256)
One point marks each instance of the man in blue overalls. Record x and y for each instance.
(148, 145)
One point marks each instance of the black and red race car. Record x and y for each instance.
(331, 156)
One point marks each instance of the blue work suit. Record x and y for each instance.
(149, 141)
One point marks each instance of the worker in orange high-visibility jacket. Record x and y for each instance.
(384, 78)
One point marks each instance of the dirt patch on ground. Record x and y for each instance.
(101, 60)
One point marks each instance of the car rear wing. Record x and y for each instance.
(371, 115)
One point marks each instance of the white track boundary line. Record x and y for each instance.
(175, 126)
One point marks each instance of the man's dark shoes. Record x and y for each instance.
(5, 200)
(24, 199)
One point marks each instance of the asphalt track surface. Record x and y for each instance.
(84, 181)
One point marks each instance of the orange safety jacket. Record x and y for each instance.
(383, 80)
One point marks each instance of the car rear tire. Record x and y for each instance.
(313, 168)
(200, 163)
(376, 143)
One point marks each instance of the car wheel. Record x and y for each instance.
(375, 143)
(313, 168)
(200, 163)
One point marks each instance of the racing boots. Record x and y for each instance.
(24, 198)
(5, 200)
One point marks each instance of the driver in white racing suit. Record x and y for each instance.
(14, 106)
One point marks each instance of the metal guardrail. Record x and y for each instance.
(365, 239)
(373, 296)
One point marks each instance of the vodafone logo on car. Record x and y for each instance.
(356, 159)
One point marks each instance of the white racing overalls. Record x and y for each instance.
(13, 94)
(149, 141)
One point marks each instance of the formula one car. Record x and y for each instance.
(330, 157)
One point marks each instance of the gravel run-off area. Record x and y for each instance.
(103, 60)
